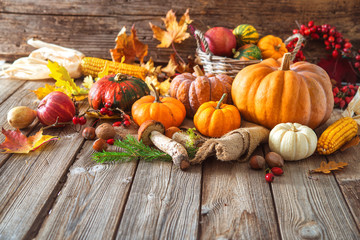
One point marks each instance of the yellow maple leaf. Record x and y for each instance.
(129, 47)
(43, 91)
(175, 32)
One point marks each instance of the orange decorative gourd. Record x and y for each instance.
(272, 47)
(195, 89)
(271, 92)
(168, 110)
(214, 119)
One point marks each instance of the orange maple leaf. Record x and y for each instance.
(328, 167)
(16, 142)
(129, 47)
(175, 32)
(173, 66)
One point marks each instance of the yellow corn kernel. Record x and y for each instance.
(336, 135)
(93, 66)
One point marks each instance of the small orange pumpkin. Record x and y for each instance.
(168, 110)
(195, 89)
(214, 119)
(273, 92)
(272, 47)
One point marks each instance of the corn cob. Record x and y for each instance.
(336, 135)
(92, 66)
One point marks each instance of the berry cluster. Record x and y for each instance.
(79, 120)
(344, 95)
(271, 173)
(107, 110)
(333, 40)
(125, 122)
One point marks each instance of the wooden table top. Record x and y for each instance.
(58, 192)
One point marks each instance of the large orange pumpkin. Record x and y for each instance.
(272, 92)
(195, 89)
(169, 111)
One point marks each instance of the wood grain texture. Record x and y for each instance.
(91, 27)
(313, 208)
(236, 202)
(91, 202)
(163, 203)
(30, 183)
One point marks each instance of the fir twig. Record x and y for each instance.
(131, 150)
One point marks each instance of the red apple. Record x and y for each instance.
(55, 105)
(221, 41)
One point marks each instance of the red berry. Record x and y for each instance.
(126, 117)
(325, 36)
(327, 43)
(348, 45)
(108, 105)
(313, 29)
(110, 113)
(348, 99)
(339, 40)
(336, 90)
(357, 64)
(346, 50)
(331, 39)
(103, 111)
(126, 123)
(328, 47)
(337, 46)
(315, 36)
(307, 31)
(357, 57)
(295, 31)
(269, 177)
(82, 120)
(302, 27)
(336, 100)
(324, 30)
(277, 171)
(116, 124)
(75, 120)
(332, 31)
(110, 141)
(352, 92)
(335, 54)
(344, 88)
(342, 103)
(310, 23)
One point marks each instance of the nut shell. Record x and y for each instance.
(100, 145)
(105, 131)
(89, 133)
(274, 159)
(257, 162)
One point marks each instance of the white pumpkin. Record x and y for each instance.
(292, 141)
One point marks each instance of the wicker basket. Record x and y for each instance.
(230, 66)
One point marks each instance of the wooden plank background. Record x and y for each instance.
(91, 27)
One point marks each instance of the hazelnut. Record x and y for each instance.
(257, 162)
(89, 133)
(105, 131)
(273, 159)
(100, 145)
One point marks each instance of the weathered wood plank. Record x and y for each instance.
(91, 202)
(236, 203)
(163, 203)
(312, 208)
(91, 27)
(31, 182)
(8, 87)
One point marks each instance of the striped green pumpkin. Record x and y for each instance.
(245, 34)
(248, 52)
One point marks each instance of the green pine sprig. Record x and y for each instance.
(131, 150)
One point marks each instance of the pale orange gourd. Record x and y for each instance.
(272, 47)
(168, 110)
(270, 92)
(195, 89)
(214, 119)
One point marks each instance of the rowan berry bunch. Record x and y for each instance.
(344, 95)
(333, 40)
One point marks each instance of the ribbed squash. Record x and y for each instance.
(214, 119)
(195, 89)
(272, 47)
(245, 34)
(248, 52)
(271, 92)
(121, 91)
(168, 110)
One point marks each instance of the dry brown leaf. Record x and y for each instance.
(171, 67)
(129, 47)
(175, 32)
(353, 142)
(328, 167)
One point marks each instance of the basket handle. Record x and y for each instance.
(199, 36)
(300, 38)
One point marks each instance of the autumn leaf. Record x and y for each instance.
(175, 32)
(43, 91)
(328, 167)
(129, 47)
(353, 142)
(16, 142)
(171, 67)
(101, 116)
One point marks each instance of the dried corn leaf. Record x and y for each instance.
(328, 167)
